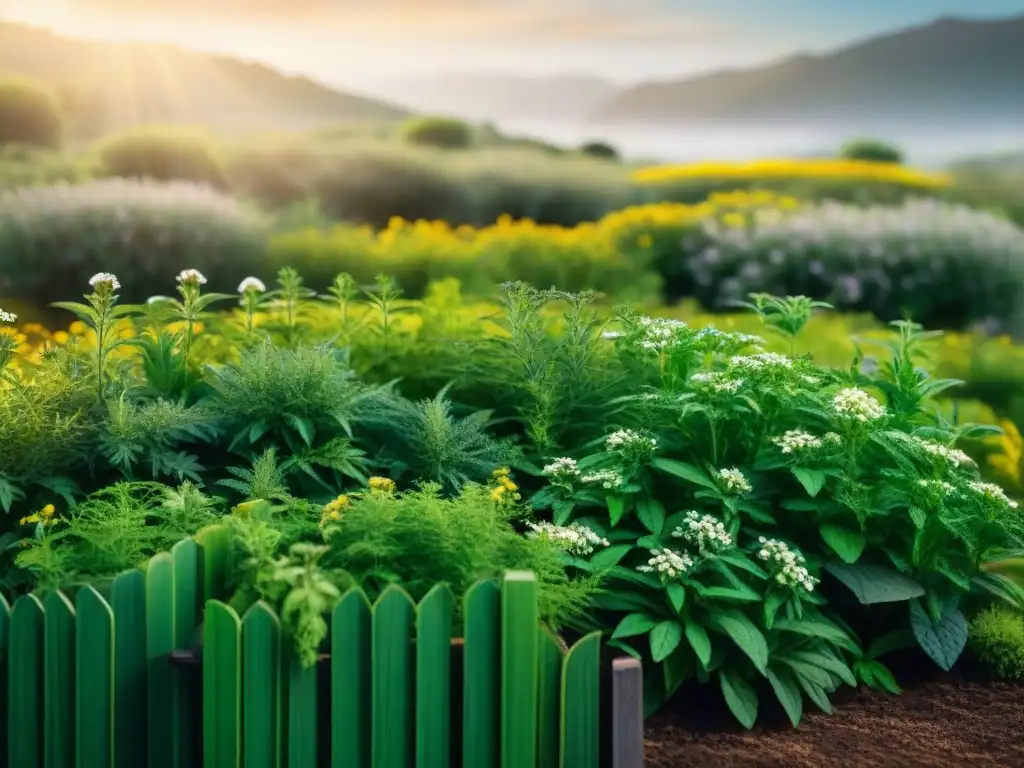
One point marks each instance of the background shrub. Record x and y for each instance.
(162, 154)
(53, 239)
(997, 638)
(944, 265)
(440, 132)
(30, 114)
(599, 150)
(872, 150)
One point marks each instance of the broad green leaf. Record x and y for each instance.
(896, 640)
(257, 430)
(616, 508)
(818, 629)
(846, 543)
(665, 637)
(610, 556)
(676, 596)
(944, 640)
(635, 624)
(625, 648)
(740, 697)
(684, 471)
(815, 693)
(772, 602)
(875, 584)
(745, 634)
(651, 513)
(745, 595)
(698, 638)
(876, 675)
(828, 663)
(563, 511)
(813, 480)
(788, 694)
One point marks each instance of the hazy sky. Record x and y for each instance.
(362, 42)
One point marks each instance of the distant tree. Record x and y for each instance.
(600, 149)
(443, 132)
(872, 150)
(164, 154)
(30, 114)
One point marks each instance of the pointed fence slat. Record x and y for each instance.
(222, 685)
(433, 678)
(187, 603)
(94, 690)
(581, 704)
(351, 681)
(58, 681)
(303, 715)
(25, 683)
(162, 704)
(261, 688)
(549, 689)
(481, 664)
(393, 704)
(128, 603)
(519, 621)
(5, 623)
(215, 543)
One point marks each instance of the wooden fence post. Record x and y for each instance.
(627, 714)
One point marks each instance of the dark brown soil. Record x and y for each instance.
(935, 723)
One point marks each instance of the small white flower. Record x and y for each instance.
(857, 405)
(562, 469)
(706, 532)
(7, 317)
(717, 381)
(763, 361)
(953, 455)
(251, 284)
(105, 278)
(941, 487)
(668, 565)
(627, 440)
(575, 539)
(660, 333)
(795, 440)
(191, 276)
(992, 492)
(832, 438)
(787, 564)
(734, 481)
(612, 335)
(608, 479)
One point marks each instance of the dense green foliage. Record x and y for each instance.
(600, 149)
(30, 114)
(440, 132)
(161, 154)
(997, 637)
(872, 149)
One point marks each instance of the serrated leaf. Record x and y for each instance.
(944, 640)
(813, 480)
(740, 698)
(665, 637)
(651, 514)
(684, 471)
(875, 584)
(788, 694)
(846, 543)
(698, 639)
(676, 596)
(635, 624)
(744, 634)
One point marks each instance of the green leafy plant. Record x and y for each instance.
(997, 638)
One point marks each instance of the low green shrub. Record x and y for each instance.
(53, 239)
(944, 265)
(997, 638)
(599, 149)
(161, 154)
(873, 150)
(30, 114)
(440, 132)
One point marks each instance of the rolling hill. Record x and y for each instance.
(953, 72)
(114, 85)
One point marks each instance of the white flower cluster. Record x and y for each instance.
(794, 440)
(667, 564)
(717, 380)
(857, 405)
(734, 481)
(575, 539)
(660, 333)
(941, 487)
(789, 565)
(953, 455)
(992, 492)
(193, 276)
(706, 532)
(763, 361)
(608, 479)
(7, 317)
(563, 469)
(714, 340)
(629, 440)
(105, 279)
(251, 284)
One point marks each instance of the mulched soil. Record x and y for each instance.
(938, 721)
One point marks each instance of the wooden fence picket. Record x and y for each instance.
(394, 616)
(433, 678)
(519, 665)
(481, 664)
(25, 683)
(131, 668)
(162, 743)
(261, 688)
(94, 683)
(351, 681)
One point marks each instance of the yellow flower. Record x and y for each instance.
(78, 328)
(382, 484)
(507, 484)
(29, 519)
(497, 494)
(61, 337)
(48, 511)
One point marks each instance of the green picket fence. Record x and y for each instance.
(89, 679)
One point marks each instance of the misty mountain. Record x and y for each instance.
(953, 72)
(497, 96)
(113, 85)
